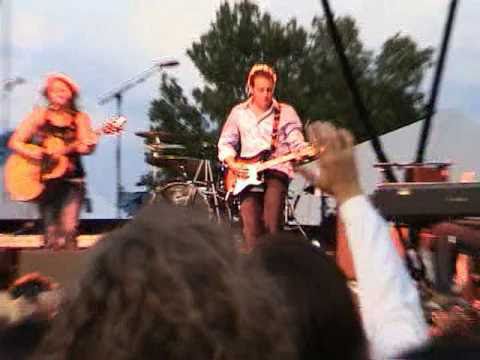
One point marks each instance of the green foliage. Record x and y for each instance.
(174, 113)
(309, 73)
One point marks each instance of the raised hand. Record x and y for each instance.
(335, 170)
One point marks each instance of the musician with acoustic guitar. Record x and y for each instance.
(259, 129)
(55, 137)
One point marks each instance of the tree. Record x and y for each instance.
(240, 37)
(174, 113)
(310, 76)
(389, 81)
(394, 95)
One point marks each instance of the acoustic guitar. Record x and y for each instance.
(24, 177)
(235, 184)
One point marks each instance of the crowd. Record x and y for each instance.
(171, 285)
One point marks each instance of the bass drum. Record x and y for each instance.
(181, 194)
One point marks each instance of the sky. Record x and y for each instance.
(102, 44)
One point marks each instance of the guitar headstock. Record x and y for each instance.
(114, 125)
(310, 151)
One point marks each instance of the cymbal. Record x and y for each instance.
(161, 135)
(180, 164)
(160, 147)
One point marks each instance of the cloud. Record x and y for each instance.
(169, 27)
(104, 43)
(34, 32)
(264, 5)
(379, 20)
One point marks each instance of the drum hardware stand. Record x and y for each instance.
(209, 181)
(290, 209)
(183, 171)
(230, 204)
(153, 189)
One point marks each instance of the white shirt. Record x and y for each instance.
(247, 135)
(389, 303)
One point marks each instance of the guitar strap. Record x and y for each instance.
(273, 144)
(276, 121)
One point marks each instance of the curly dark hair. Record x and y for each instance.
(169, 285)
(325, 322)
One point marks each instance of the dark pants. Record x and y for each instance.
(452, 239)
(60, 206)
(262, 212)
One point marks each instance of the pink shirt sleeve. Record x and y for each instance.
(293, 129)
(229, 138)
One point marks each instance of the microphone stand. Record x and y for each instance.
(117, 95)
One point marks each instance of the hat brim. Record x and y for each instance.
(51, 77)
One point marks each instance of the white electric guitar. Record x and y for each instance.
(235, 184)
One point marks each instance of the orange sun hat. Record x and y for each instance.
(51, 77)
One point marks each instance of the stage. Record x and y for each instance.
(22, 250)
(27, 233)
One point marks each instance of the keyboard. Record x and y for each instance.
(427, 202)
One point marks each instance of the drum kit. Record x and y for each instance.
(198, 182)
(184, 180)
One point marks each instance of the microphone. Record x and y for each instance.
(10, 83)
(168, 63)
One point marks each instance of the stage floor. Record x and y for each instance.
(27, 233)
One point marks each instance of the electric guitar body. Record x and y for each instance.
(235, 184)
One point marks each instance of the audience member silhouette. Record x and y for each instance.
(169, 285)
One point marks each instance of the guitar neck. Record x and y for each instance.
(279, 160)
(309, 151)
(99, 131)
(116, 122)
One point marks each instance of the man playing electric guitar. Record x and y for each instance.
(261, 124)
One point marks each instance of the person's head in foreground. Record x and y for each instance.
(169, 285)
(325, 321)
